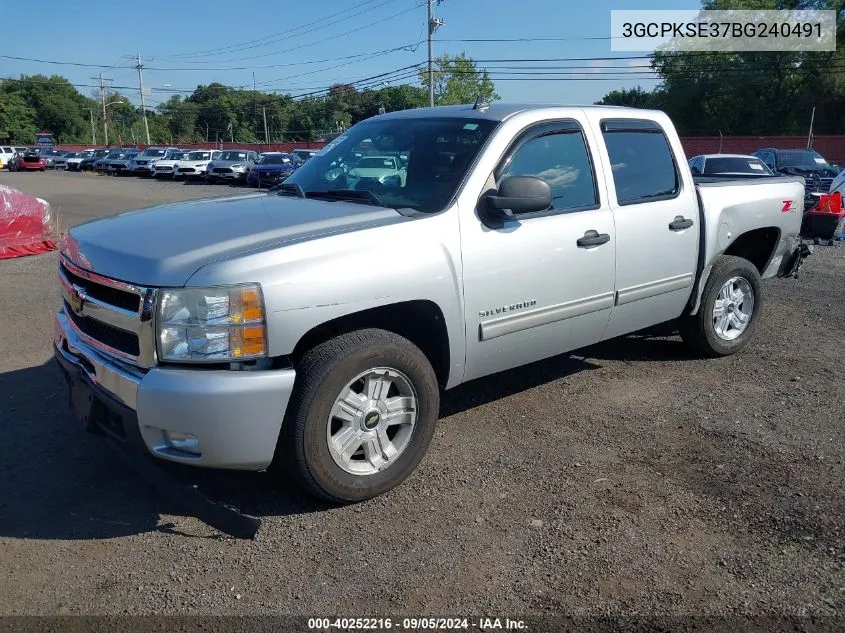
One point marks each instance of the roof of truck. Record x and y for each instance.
(495, 111)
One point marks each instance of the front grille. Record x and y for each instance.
(118, 339)
(186, 170)
(164, 168)
(112, 296)
(118, 166)
(142, 162)
(819, 186)
(222, 170)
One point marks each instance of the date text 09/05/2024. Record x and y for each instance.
(415, 624)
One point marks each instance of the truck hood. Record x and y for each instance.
(165, 245)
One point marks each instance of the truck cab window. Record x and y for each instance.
(561, 160)
(642, 164)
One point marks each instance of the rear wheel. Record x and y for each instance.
(729, 310)
(362, 416)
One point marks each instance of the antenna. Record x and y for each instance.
(481, 104)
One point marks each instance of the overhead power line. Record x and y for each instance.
(267, 39)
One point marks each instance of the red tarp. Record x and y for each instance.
(25, 227)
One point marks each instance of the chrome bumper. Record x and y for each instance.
(236, 416)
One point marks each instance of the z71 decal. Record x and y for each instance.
(787, 206)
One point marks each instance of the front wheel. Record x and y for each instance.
(729, 310)
(362, 416)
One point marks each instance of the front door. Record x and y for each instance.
(540, 284)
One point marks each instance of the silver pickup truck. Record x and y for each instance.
(313, 326)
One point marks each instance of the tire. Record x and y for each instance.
(324, 373)
(736, 328)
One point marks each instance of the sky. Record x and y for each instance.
(302, 47)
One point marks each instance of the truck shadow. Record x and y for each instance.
(59, 482)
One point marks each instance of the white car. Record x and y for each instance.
(72, 163)
(194, 164)
(166, 168)
(6, 153)
(387, 170)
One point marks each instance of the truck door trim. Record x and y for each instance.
(653, 288)
(543, 316)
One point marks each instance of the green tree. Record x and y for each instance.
(16, 119)
(635, 98)
(458, 80)
(56, 105)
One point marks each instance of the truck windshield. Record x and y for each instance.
(439, 151)
(800, 158)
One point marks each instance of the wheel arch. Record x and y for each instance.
(420, 321)
(757, 246)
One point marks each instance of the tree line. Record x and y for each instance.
(749, 93)
(705, 94)
(216, 112)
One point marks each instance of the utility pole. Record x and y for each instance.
(810, 135)
(433, 25)
(103, 100)
(93, 130)
(266, 133)
(143, 107)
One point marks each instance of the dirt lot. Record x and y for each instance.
(629, 478)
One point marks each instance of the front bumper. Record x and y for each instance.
(227, 175)
(236, 416)
(143, 170)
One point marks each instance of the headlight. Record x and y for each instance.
(203, 165)
(218, 324)
(238, 166)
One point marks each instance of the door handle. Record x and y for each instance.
(680, 223)
(592, 238)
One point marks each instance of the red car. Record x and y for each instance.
(27, 161)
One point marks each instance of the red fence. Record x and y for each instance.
(831, 147)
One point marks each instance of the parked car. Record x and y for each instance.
(385, 170)
(166, 167)
(305, 154)
(144, 163)
(195, 163)
(49, 154)
(89, 163)
(232, 165)
(29, 160)
(74, 163)
(121, 166)
(60, 162)
(729, 165)
(101, 166)
(258, 330)
(818, 174)
(6, 153)
(271, 169)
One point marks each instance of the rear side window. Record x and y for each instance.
(641, 160)
(560, 158)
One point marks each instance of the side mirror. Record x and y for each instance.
(695, 171)
(519, 194)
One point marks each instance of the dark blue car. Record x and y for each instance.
(271, 169)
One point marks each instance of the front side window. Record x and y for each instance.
(439, 151)
(641, 162)
(561, 159)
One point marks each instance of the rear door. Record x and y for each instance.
(655, 211)
(531, 289)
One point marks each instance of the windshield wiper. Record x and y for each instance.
(353, 195)
(289, 187)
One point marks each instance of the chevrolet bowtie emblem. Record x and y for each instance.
(76, 299)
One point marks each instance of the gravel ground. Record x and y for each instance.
(626, 478)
